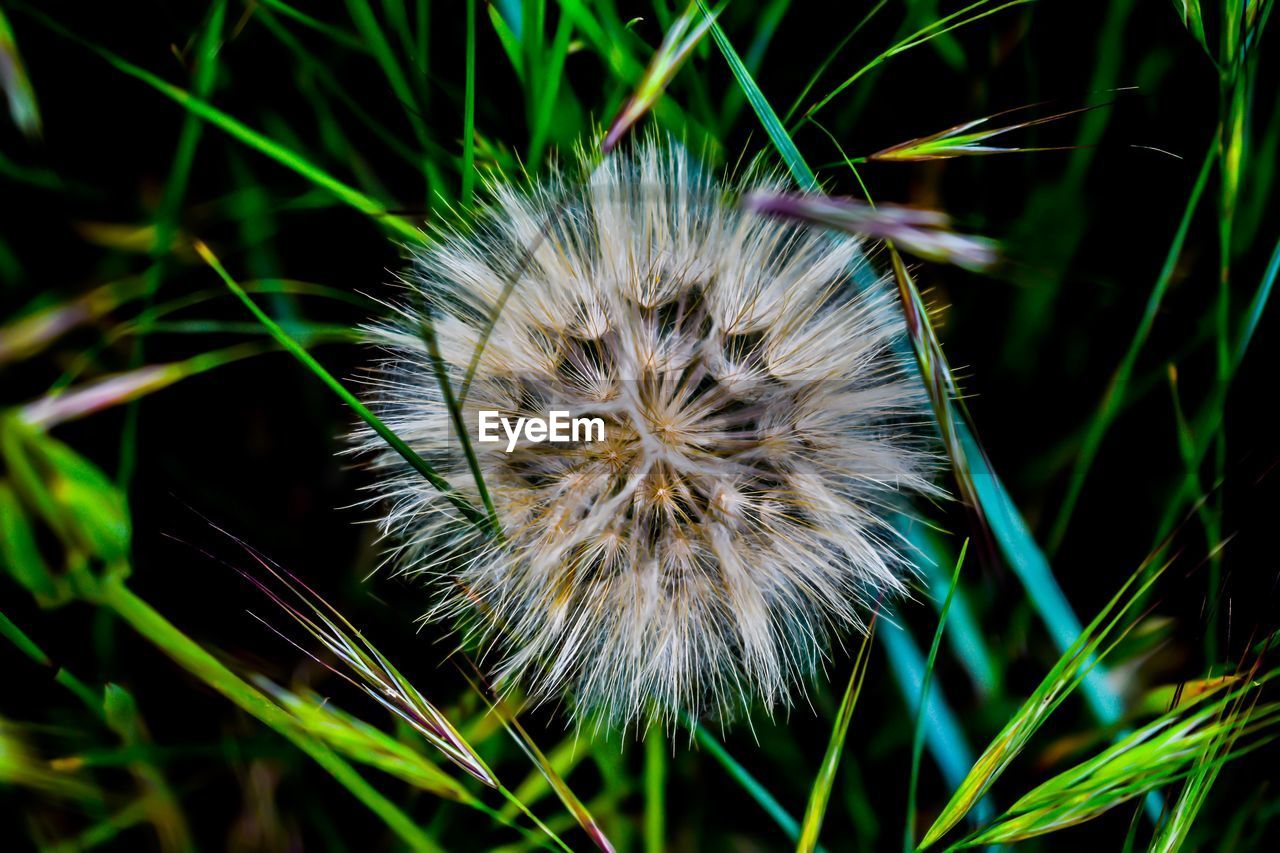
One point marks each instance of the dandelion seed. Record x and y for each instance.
(760, 426)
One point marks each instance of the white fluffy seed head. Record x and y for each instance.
(760, 425)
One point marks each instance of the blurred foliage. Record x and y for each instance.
(191, 189)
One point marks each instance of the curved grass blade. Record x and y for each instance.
(1172, 832)
(250, 137)
(1178, 745)
(820, 795)
(1067, 674)
(192, 657)
(960, 18)
(469, 512)
(364, 666)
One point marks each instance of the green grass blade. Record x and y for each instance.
(677, 45)
(1097, 639)
(20, 640)
(772, 125)
(917, 738)
(965, 636)
(820, 795)
(254, 139)
(105, 830)
(397, 15)
(460, 426)
(615, 50)
(1173, 831)
(122, 715)
(962, 17)
(166, 219)
(537, 757)
(1191, 742)
(1209, 418)
(1249, 325)
(19, 549)
(336, 34)
(769, 19)
(23, 107)
(509, 41)
(545, 95)
(748, 783)
(831, 57)
(469, 109)
(92, 699)
(469, 512)
(943, 735)
(371, 31)
(565, 757)
(655, 785)
(190, 656)
(1109, 406)
(337, 89)
(1032, 568)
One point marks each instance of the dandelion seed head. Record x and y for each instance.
(760, 430)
